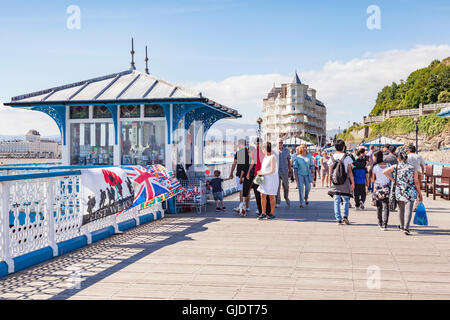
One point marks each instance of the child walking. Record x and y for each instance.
(217, 191)
(361, 176)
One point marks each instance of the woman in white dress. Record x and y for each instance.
(269, 187)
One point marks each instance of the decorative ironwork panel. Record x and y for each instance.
(66, 207)
(28, 219)
(180, 110)
(3, 221)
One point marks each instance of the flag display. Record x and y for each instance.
(152, 184)
(105, 191)
(113, 190)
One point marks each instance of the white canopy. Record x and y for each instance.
(296, 142)
(381, 141)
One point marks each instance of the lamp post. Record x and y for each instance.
(259, 121)
(416, 121)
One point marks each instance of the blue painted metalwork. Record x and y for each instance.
(57, 113)
(37, 167)
(208, 116)
(180, 110)
(205, 112)
(113, 109)
(40, 175)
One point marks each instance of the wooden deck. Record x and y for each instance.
(302, 254)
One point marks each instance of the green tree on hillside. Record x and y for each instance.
(426, 85)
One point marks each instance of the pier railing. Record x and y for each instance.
(421, 110)
(41, 214)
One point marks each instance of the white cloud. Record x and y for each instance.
(14, 121)
(347, 88)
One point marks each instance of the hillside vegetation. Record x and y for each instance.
(426, 85)
(429, 125)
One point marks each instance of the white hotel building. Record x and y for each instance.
(292, 110)
(33, 146)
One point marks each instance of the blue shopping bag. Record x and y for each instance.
(420, 217)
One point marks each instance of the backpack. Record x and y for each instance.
(338, 173)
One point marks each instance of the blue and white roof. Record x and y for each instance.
(125, 86)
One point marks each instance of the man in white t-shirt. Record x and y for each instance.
(343, 191)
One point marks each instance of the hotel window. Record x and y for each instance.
(153, 110)
(101, 112)
(79, 112)
(293, 92)
(130, 111)
(91, 143)
(143, 143)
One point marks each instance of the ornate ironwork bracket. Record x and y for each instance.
(57, 113)
(207, 116)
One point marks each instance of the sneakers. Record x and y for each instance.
(345, 219)
(262, 216)
(339, 222)
(361, 206)
(406, 231)
(400, 228)
(218, 209)
(306, 202)
(223, 208)
(270, 216)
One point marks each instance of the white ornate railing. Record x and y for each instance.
(44, 209)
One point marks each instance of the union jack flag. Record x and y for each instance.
(151, 184)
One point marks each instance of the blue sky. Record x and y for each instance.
(206, 43)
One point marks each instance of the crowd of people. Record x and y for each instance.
(391, 176)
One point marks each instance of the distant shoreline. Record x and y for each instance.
(7, 161)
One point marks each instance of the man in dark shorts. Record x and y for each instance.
(242, 164)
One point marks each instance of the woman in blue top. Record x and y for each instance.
(304, 164)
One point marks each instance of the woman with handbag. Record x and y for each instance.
(407, 188)
(269, 184)
(380, 196)
(304, 165)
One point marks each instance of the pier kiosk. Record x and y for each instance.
(129, 117)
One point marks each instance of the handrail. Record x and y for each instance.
(40, 175)
(55, 167)
(29, 164)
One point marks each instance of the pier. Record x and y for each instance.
(302, 254)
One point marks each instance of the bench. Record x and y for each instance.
(441, 184)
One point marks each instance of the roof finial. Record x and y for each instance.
(146, 61)
(296, 78)
(132, 55)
